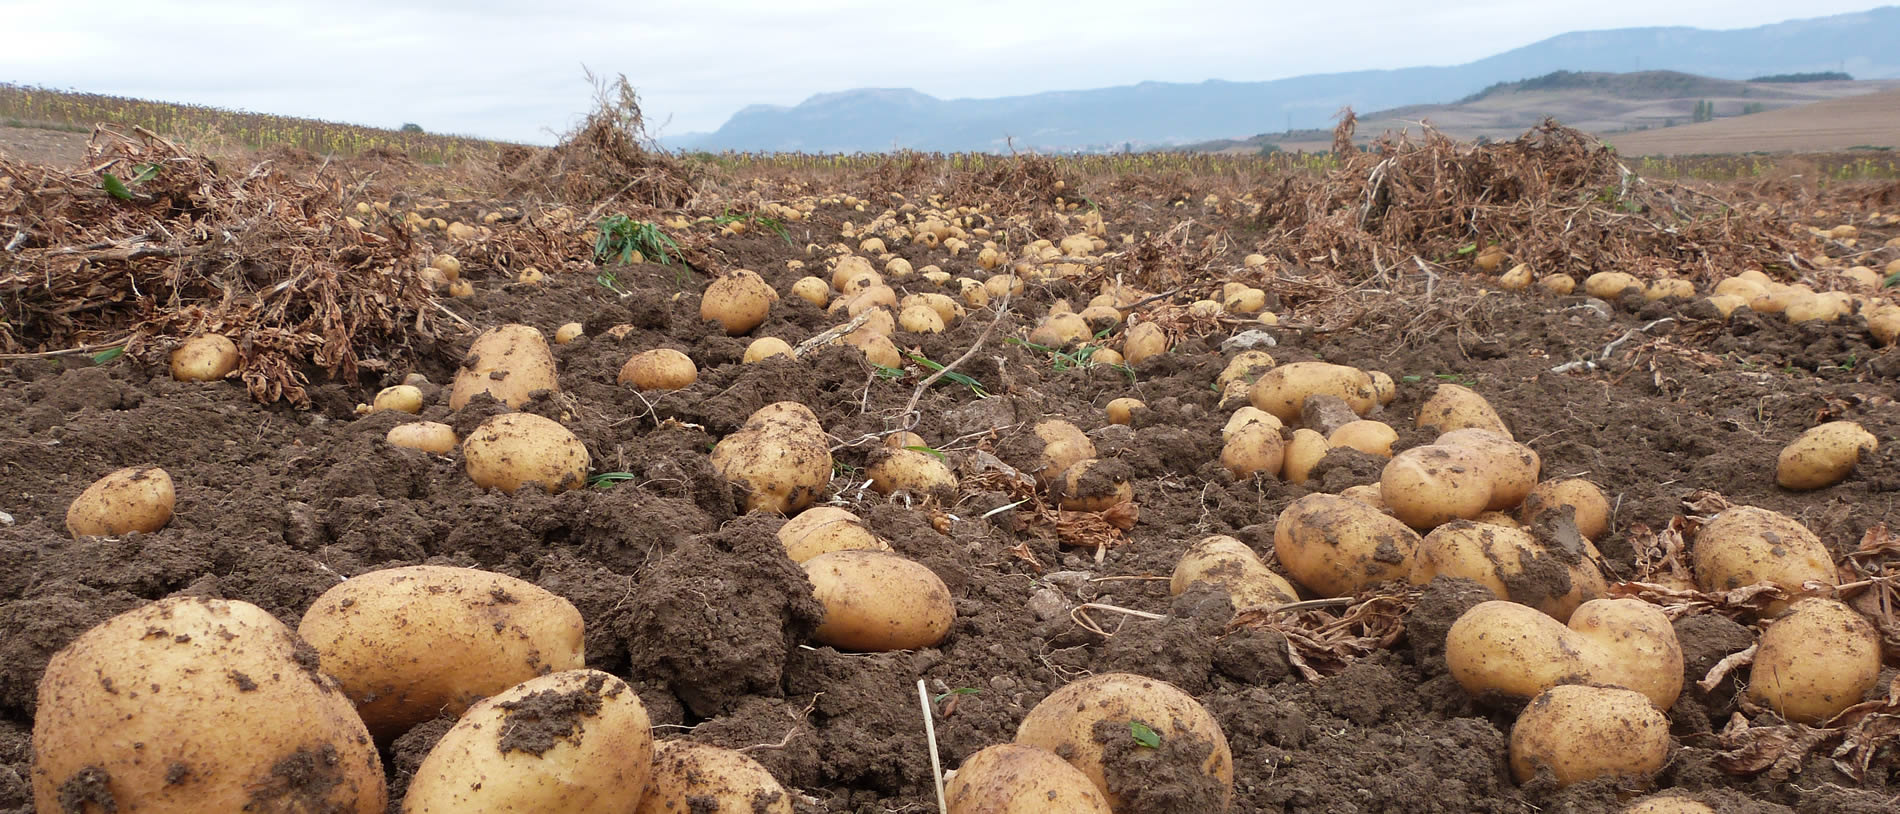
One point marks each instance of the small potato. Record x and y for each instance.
(1745, 545)
(569, 332)
(137, 498)
(812, 290)
(512, 450)
(1303, 452)
(1609, 285)
(510, 363)
(1590, 509)
(409, 644)
(1582, 733)
(1512, 564)
(1818, 659)
(1246, 366)
(1010, 778)
(703, 779)
(403, 397)
(910, 470)
(1101, 317)
(1334, 546)
(1370, 437)
(739, 301)
(1824, 455)
(1143, 340)
(849, 268)
(1282, 390)
(448, 265)
(204, 358)
(1095, 485)
(1250, 415)
(905, 439)
(1254, 448)
(947, 309)
(1557, 284)
(1883, 323)
(1517, 279)
(577, 742)
(1383, 387)
(659, 369)
(1725, 305)
(780, 460)
(1066, 723)
(428, 436)
(1453, 407)
(824, 529)
(1247, 300)
(1514, 650)
(1229, 563)
(766, 347)
(1122, 410)
(878, 349)
(877, 601)
(1742, 288)
(1666, 287)
(1107, 356)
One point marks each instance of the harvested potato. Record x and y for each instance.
(1065, 723)
(878, 349)
(1725, 304)
(1499, 519)
(877, 601)
(1454, 407)
(1094, 485)
(739, 301)
(409, 644)
(1516, 651)
(1383, 388)
(1490, 259)
(1364, 493)
(510, 363)
(1249, 415)
(1883, 322)
(1462, 475)
(1246, 300)
(403, 397)
(204, 358)
(812, 290)
(137, 498)
(901, 440)
(1254, 448)
(1010, 778)
(1282, 390)
(766, 347)
(1365, 435)
(1512, 564)
(1823, 455)
(1745, 545)
(569, 332)
(1609, 285)
(428, 436)
(780, 459)
(1143, 340)
(1334, 546)
(1558, 284)
(512, 450)
(911, 470)
(1234, 567)
(1666, 287)
(1517, 279)
(1106, 356)
(1247, 366)
(191, 705)
(704, 779)
(1062, 445)
(920, 319)
(1668, 804)
(1818, 659)
(1513, 466)
(1122, 410)
(1581, 733)
(1590, 510)
(448, 265)
(659, 369)
(824, 529)
(848, 269)
(1303, 452)
(577, 742)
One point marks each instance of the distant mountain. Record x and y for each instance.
(1158, 113)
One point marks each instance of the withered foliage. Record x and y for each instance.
(1858, 735)
(609, 157)
(1320, 642)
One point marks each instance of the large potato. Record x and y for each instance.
(1512, 564)
(192, 705)
(1582, 733)
(137, 498)
(824, 529)
(1143, 341)
(402, 397)
(1816, 660)
(1823, 455)
(659, 369)
(694, 778)
(1513, 466)
(875, 600)
(1234, 567)
(1336, 546)
(1010, 778)
(1282, 390)
(509, 363)
(1454, 407)
(204, 358)
(1436, 483)
(1255, 447)
(1745, 545)
(512, 450)
(409, 644)
(1367, 436)
(739, 300)
(1066, 723)
(780, 459)
(1590, 509)
(576, 742)
(1513, 650)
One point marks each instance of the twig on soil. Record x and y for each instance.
(831, 334)
(930, 734)
(82, 349)
(909, 416)
(451, 314)
(782, 742)
(1080, 616)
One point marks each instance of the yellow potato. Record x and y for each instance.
(1590, 509)
(1383, 387)
(1245, 367)
(1246, 300)
(780, 460)
(876, 601)
(428, 436)
(1065, 722)
(824, 529)
(1433, 484)
(191, 705)
(1513, 650)
(1517, 279)
(910, 470)
(905, 439)
(577, 742)
(1010, 778)
(1745, 545)
(766, 347)
(1558, 284)
(1122, 410)
(1883, 322)
(1365, 435)
(1609, 285)
(513, 450)
(204, 358)
(509, 363)
(1582, 733)
(739, 301)
(920, 319)
(137, 498)
(812, 290)
(1665, 287)
(1303, 452)
(1282, 390)
(848, 269)
(1453, 407)
(409, 644)
(448, 265)
(1490, 259)
(1335, 546)
(1818, 659)
(701, 779)
(1512, 564)
(1107, 356)
(1094, 485)
(1824, 455)
(568, 332)
(1364, 493)
(1061, 445)
(1234, 567)
(1512, 466)
(403, 397)
(1249, 415)
(1726, 304)
(1143, 340)
(1254, 448)
(878, 349)
(659, 369)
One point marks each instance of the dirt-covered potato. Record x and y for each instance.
(1462, 475)
(204, 358)
(137, 498)
(1383, 388)
(1609, 285)
(1823, 455)
(739, 300)
(1249, 415)
(1454, 407)
(1303, 452)
(1336, 546)
(1819, 658)
(1092, 722)
(1365, 435)
(409, 644)
(1254, 447)
(512, 450)
(1246, 366)
(1581, 733)
(911, 470)
(1232, 565)
(405, 398)
(780, 459)
(1745, 545)
(812, 290)
(1062, 445)
(1282, 390)
(191, 705)
(1094, 485)
(1512, 564)
(876, 600)
(510, 363)
(697, 778)
(428, 436)
(1143, 340)
(659, 369)
(1122, 410)
(1590, 510)
(919, 319)
(577, 742)
(1514, 467)
(824, 529)
(1513, 650)
(1367, 493)
(1010, 778)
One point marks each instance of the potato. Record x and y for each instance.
(920, 319)
(1590, 509)
(1254, 448)
(1490, 259)
(1234, 567)
(850, 268)
(1122, 410)
(702, 779)
(192, 705)
(137, 498)
(911, 470)
(947, 309)
(1062, 446)
(1725, 304)
(1512, 564)
(1581, 733)
(577, 742)
(1334, 546)
(1453, 407)
(739, 301)
(1517, 279)
(1609, 285)
(1382, 386)
(1249, 415)
(1364, 493)
(512, 450)
(812, 290)
(865, 299)
(1665, 287)
(448, 265)
(1742, 288)
(403, 397)
(509, 363)
(659, 369)
(783, 414)
(1883, 322)
(1514, 650)
(901, 440)
(1818, 659)
(876, 601)
(1365, 435)
(1010, 778)
(1065, 723)
(824, 529)
(1282, 391)
(1142, 341)
(428, 436)
(1303, 452)
(204, 358)
(1558, 284)
(1107, 356)
(1246, 366)
(1668, 804)
(1246, 300)
(766, 347)
(1430, 485)
(1823, 455)
(1094, 485)
(1513, 466)
(780, 459)
(409, 644)
(878, 349)
(1745, 545)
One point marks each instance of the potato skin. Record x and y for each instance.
(824, 529)
(1254, 448)
(428, 436)
(702, 779)
(1336, 546)
(910, 470)
(511, 752)
(1455, 407)
(1511, 563)
(210, 690)
(739, 300)
(779, 458)
(876, 601)
(1303, 452)
(1591, 508)
(1818, 659)
(1431, 485)
(1282, 390)
(1064, 723)
(408, 644)
(1581, 733)
(1745, 545)
(1365, 435)
(509, 362)
(404, 397)
(1010, 778)
(204, 358)
(512, 450)
(1510, 649)
(1824, 455)
(1232, 565)
(1513, 467)
(659, 369)
(136, 498)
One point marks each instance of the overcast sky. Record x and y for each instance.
(513, 69)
